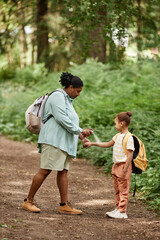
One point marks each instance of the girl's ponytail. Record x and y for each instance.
(129, 113)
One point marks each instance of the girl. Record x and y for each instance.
(122, 167)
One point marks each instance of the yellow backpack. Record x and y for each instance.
(139, 162)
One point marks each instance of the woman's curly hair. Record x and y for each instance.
(67, 79)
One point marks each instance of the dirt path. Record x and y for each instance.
(89, 190)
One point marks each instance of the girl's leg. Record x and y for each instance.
(37, 182)
(124, 185)
(62, 183)
(115, 184)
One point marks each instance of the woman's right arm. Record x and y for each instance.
(58, 108)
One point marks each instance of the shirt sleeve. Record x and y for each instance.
(114, 137)
(58, 108)
(130, 143)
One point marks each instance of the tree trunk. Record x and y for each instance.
(97, 38)
(42, 32)
(98, 48)
(9, 54)
(22, 36)
(23, 46)
(112, 49)
(139, 36)
(33, 43)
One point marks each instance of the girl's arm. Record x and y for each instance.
(128, 161)
(99, 144)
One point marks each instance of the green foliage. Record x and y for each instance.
(28, 77)
(149, 183)
(107, 91)
(7, 73)
(15, 99)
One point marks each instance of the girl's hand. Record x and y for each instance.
(85, 140)
(87, 144)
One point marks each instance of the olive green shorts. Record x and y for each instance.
(53, 158)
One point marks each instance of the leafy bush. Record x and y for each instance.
(7, 73)
(27, 77)
(134, 87)
(31, 75)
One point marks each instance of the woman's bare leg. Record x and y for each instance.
(37, 182)
(62, 183)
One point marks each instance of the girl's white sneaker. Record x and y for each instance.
(117, 214)
(108, 213)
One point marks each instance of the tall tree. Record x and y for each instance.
(7, 36)
(22, 35)
(97, 37)
(139, 26)
(42, 31)
(87, 20)
(97, 21)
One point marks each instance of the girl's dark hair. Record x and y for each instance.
(124, 116)
(67, 79)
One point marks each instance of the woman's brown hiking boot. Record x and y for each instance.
(67, 209)
(29, 205)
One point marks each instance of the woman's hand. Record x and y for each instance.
(87, 132)
(81, 136)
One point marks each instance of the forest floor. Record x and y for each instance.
(89, 189)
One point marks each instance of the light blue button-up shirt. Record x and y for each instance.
(62, 130)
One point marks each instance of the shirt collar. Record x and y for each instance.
(66, 95)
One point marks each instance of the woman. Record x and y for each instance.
(58, 140)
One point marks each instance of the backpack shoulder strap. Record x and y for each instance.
(125, 140)
(50, 116)
(116, 136)
(58, 90)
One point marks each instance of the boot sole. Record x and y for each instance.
(70, 213)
